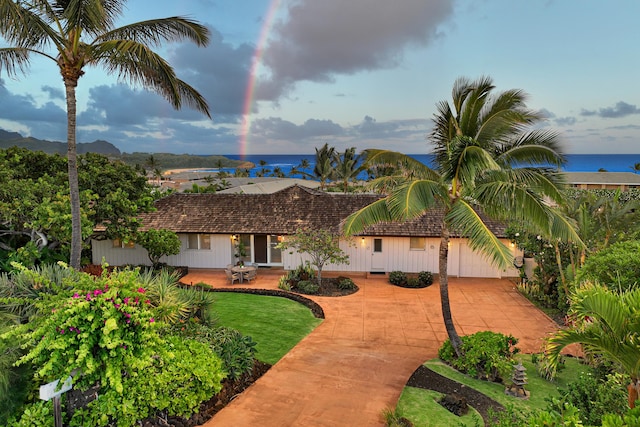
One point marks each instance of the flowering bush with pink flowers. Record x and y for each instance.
(104, 333)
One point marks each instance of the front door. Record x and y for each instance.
(378, 258)
(260, 248)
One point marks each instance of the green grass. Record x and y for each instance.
(275, 324)
(422, 408)
(418, 405)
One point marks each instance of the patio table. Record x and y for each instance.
(244, 269)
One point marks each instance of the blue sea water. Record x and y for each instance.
(575, 162)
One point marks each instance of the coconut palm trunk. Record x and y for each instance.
(443, 274)
(72, 168)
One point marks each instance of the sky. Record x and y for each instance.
(287, 76)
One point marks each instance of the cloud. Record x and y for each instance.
(621, 109)
(277, 128)
(54, 92)
(220, 72)
(319, 40)
(368, 133)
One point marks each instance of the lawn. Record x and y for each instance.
(276, 324)
(418, 405)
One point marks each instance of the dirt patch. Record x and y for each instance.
(427, 379)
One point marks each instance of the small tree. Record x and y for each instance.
(321, 245)
(159, 243)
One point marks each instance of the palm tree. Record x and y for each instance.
(324, 168)
(348, 166)
(607, 323)
(58, 30)
(636, 167)
(487, 165)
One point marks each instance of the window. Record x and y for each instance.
(417, 243)
(119, 243)
(377, 245)
(198, 241)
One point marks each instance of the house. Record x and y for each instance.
(211, 225)
(603, 180)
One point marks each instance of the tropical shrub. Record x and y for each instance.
(236, 351)
(485, 355)
(594, 396)
(413, 282)
(617, 266)
(307, 287)
(425, 278)
(104, 332)
(397, 278)
(284, 283)
(346, 284)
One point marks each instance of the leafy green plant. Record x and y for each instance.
(397, 278)
(425, 278)
(104, 332)
(345, 284)
(159, 243)
(236, 350)
(594, 396)
(567, 416)
(617, 266)
(284, 284)
(486, 355)
(307, 287)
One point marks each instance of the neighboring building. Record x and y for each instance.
(210, 225)
(603, 180)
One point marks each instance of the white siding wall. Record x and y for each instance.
(220, 254)
(462, 261)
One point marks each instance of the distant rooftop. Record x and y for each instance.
(608, 180)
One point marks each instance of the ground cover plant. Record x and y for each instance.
(275, 324)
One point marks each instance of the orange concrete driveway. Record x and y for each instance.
(357, 361)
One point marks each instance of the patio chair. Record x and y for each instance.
(251, 274)
(232, 276)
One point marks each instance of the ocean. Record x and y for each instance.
(575, 162)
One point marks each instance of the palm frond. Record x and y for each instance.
(539, 147)
(444, 130)
(409, 165)
(23, 27)
(472, 162)
(369, 215)
(154, 32)
(139, 65)
(563, 228)
(15, 60)
(91, 16)
(413, 199)
(464, 218)
(608, 323)
(473, 104)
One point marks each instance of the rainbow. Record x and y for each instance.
(251, 83)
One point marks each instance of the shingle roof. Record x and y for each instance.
(613, 178)
(282, 212)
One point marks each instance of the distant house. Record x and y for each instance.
(603, 180)
(210, 225)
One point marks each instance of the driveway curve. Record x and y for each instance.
(354, 365)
